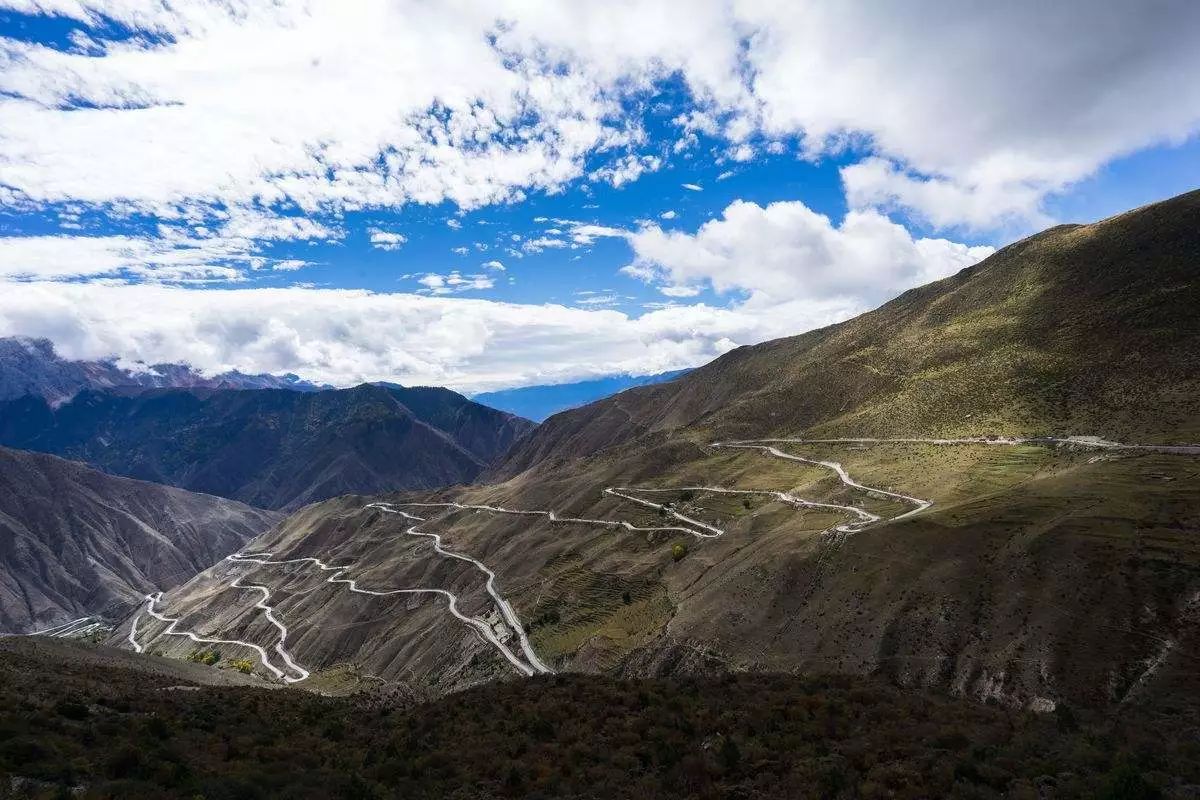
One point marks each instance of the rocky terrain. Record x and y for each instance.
(76, 542)
(271, 448)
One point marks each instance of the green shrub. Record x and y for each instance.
(678, 551)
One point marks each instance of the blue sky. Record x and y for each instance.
(489, 195)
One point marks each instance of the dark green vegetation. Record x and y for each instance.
(123, 733)
(271, 448)
(75, 542)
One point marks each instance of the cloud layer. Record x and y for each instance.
(347, 336)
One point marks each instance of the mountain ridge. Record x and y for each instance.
(32, 366)
(272, 448)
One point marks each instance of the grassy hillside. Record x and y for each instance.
(1082, 329)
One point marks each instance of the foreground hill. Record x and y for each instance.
(635, 539)
(134, 731)
(75, 542)
(1081, 329)
(31, 366)
(271, 448)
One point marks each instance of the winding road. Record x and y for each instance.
(526, 660)
(153, 599)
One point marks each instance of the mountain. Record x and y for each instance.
(146, 727)
(31, 366)
(930, 511)
(272, 448)
(1082, 328)
(75, 542)
(538, 402)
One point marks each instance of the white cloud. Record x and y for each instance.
(387, 240)
(598, 300)
(668, 215)
(876, 182)
(339, 106)
(583, 233)
(741, 153)
(998, 103)
(626, 169)
(348, 336)
(787, 251)
(496, 265)
(542, 243)
(454, 282)
(173, 258)
(692, 187)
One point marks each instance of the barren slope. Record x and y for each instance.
(76, 542)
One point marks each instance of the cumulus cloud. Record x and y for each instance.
(785, 250)
(387, 240)
(454, 282)
(994, 104)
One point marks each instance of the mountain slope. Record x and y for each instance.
(271, 448)
(1080, 329)
(31, 366)
(539, 402)
(624, 540)
(77, 542)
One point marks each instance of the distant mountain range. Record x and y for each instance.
(539, 402)
(271, 448)
(76, 542)
(33, 367)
